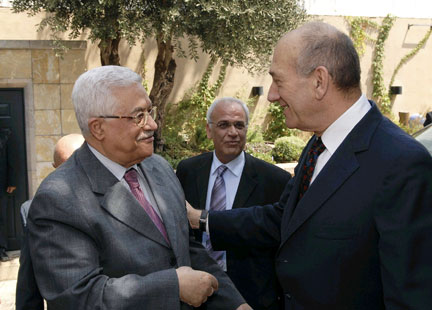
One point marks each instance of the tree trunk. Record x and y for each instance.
(109, 51)
(163, 84)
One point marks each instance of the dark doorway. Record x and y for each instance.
(12, 120)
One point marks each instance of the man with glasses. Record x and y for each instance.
(108, 229)
(229, 178)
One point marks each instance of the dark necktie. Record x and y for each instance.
(309, 165)
(217, 203)
(131, 177)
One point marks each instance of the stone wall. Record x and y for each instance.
(47, 81)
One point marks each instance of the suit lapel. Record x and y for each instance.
(122, 205)
(115, 198)
(293, 197)
(157, 183)
(248, 182)
(338, 169)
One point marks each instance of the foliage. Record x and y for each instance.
(410, 128)
(260, 150)
(276, 127)
(185, 133)
(359, 28)
(195, 107)
(240, 32)
(237, 32)
(380, 93)
(288, 149)
(410, 55)
(254, 134)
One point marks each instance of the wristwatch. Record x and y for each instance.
(203, 220)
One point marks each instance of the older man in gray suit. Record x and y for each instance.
(108, 229)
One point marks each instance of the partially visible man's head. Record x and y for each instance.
(311, 66)
(65, 147)
(227, 122)
(325, 45)
(112, 109)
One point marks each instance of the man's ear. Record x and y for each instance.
(321, 80)
(96, 128)
(208, 130)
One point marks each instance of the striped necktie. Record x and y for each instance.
(217, 203)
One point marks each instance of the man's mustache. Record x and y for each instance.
(145, 135)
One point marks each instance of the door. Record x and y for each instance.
(12, 122)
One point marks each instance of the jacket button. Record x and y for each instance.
(173, 261)
(288, 296)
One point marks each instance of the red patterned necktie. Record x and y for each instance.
(309, 165)
(131, 177)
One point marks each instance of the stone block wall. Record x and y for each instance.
(47, 80)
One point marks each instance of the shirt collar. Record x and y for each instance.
(334, 135)
(116, 169)
(235, 165)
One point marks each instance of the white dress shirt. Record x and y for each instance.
(118, 171)
(232, 179)
(336, 133)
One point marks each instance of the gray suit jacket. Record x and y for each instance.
(94, 247)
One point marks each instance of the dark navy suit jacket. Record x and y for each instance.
(361, 236)
(251, 269)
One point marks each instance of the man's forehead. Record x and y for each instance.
(224, 110)
(132, 97)
(285, 55)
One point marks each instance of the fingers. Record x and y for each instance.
(214, 282)
(10, 189)
(244, 307)
(195, 286)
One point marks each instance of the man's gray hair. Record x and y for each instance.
(325, 45)
(92, 93)
(227, 99)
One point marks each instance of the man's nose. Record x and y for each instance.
(232, 130)
(150, 124)
(273, 93)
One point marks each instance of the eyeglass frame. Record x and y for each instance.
(152, 113)
(230, 124)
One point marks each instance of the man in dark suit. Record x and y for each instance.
(108, 228)
(7, 185)
(27, 295)
(248, 181)
(354, 225)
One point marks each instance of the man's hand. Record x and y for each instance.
(195, 286)
(193, 216)
(244, 307)
(10, 189)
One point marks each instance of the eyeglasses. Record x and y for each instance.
(239, 125)
(140, 119)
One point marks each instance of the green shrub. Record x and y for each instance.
(287, 149)
(254, 134)
(260, 150)
(276, 127)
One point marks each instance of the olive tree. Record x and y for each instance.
(236, 32)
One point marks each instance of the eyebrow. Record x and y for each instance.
(141, 109)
